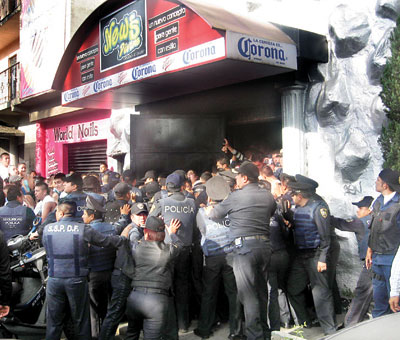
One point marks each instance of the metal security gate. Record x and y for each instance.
(86, 157)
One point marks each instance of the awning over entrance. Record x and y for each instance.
(8, 131)
(145, 51)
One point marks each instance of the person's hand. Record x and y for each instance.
(321, 267)
(208, 209)
(34, 236)
(125, 232)
(368, 259)
(4, 310)
(125, 209)
(173, 226)
(394, 304)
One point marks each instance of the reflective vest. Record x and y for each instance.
(216, 240)
(101, 258)
(66, 249)
(305, 230)
(13, 221)
(385, 233)
(184, 211)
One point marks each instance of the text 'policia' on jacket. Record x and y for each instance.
(13, 221)
(305, 230)
(184, 211)
(67, 252)
(215, 241)
(101, 258)
(385, 233)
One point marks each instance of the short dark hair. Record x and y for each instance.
(223, 160)
(4, 154)
(104, 163)
(171, 187)
(205, 176)
(13, 191)
(60, 175)
(91, 183)
(98, 215)
(67, 207)
(267, 171)
(42, 185)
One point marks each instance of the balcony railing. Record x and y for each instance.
(7, 8)
(9, 84)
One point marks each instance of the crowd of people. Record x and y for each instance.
(243, 243)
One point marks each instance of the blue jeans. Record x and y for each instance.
(381, 289)
(72, 292)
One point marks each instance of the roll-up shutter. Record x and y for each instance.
(86, 157)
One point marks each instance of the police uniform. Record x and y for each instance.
(177, 206)
(113, 207)
(148, 303)
(250, 210)
(121, 278)
(100, 263)
(384, 240)
(312, 232)
(15, 219)
(363, 293)
(66, 244)
(79, 198)
(216, 245)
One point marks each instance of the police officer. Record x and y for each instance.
(122, 274)
(147, 304)
(122, 193)
(363, 293)
(129, 177)
(15, 219)
(250, 209)
(216, 244)
(66, 243)
(384, 238)
(100, 263)
(73, 188)
(312, 232)
(5, 278)
(177, 206)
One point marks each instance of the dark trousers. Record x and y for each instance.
(277, 275)
(182, 270)
(121, 287)
(250, 265)
(100, 294)
(216, 268)
(304, 271)
(147, 311)
(60, 293)
(381, 289)
(362, 299)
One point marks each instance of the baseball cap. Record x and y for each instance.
(138, 208)
(155, 223)
(365, 202)
(122, 189)
(93, 204)
(149, 174)
(217, 188)
(391, 177)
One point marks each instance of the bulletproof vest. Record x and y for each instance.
(275, 233)
(184, 211)
(13, 221)
(152, 265)
(305, 230)
(363, 245)
(385, 233)
(80, 199)
(66, 249)
(113, 211)
(216, 240)
(101, 258)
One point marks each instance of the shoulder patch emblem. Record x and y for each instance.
(324, 212)
(349, 220)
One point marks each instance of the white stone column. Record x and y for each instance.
(293, 141)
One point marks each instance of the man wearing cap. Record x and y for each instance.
(313, 234)
(216, 244)
(73, 185)
(148, 303)
(100, 263)
(129, 177)
(177, 206)
(66, 244)
(122, 193)
(384, 238)
(250, 209)
(14, 217)
(149, 176)
(363, 293)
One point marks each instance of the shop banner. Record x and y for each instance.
(123, 35)
(196, 55)
(259, 50)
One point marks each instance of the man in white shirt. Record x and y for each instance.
(45, 203)
(395, 284)
(4, 164)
